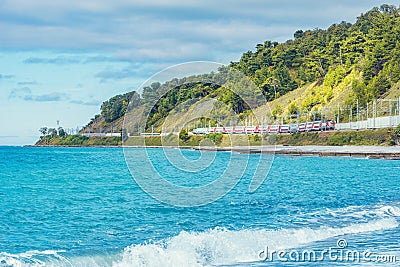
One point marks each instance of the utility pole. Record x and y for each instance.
(374, 112)
(358, 115)
(367, 114)
(390, 113)
(351, 115)
(338, 114)
(398, 106)
(398, 109)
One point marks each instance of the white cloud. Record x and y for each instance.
(25, 93)
(92, 102)
(181, 30)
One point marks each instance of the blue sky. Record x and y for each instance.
(61, 59)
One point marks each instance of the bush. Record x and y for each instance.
(397, 130)
(183, 135)
(396, 136)
(215, 137)
(256, 138)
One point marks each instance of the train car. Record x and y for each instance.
(219, 130)
(250, 129)
(274, 129)
(294, 128)
(301, 127)
(239, 130)
(150, 134)
(264, 129)
(317, 126)
(285, 128)
(330, 125)
(200, 131)
(229, 130)
(309, 126)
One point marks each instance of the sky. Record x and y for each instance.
(60, 59)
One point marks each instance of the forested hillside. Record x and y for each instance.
(362, 59)
(371, 46)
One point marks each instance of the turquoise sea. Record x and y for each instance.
(81, 207)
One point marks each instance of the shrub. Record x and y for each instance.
(256, 138)
(397, 130)
(215, 137)
(183, 135)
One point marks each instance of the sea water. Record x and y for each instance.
(81, 207)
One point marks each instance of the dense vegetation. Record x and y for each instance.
(371, 46)
(78, 140)
(59, 137)
(369, 49)
(115, 107)
(380, 137)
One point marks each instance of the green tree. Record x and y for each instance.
(215, 137)
(115, 107)
(277, 112)
(397, 130)
(298, 34)
(360, 91)
(61, 132)
(293, 109)
(183, 135)
(151, 93)
(43, 131)
(378, 86)
(397, 135)
(52, 132)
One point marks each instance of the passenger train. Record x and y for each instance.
(271, 129)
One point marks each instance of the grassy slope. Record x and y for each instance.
(393, 92)
(298, 96)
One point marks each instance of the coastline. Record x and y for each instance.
(380, 137)
(371, 152)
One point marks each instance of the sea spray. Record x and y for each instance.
(220, 246)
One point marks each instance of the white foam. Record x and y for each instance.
(52, 258)
(360, 212)
(33, 258)
(220, 246)
(391, 210)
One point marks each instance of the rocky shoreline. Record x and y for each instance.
(372, 152)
